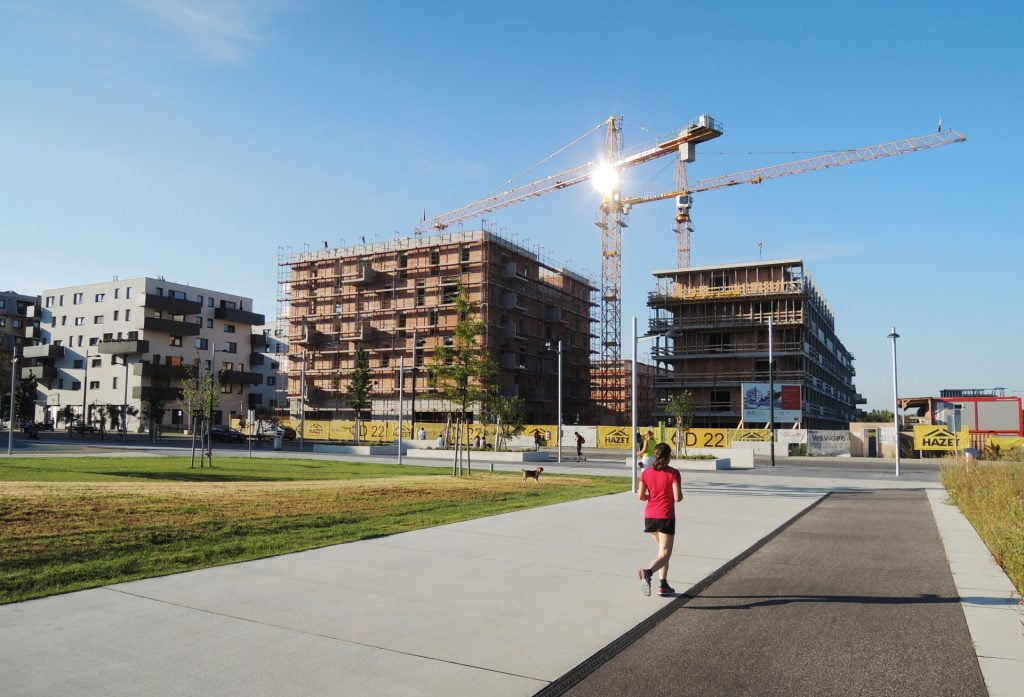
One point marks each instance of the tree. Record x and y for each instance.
(117, 416)
(67, 415)
(876, 416)
(463, 372)
(153, 410)
(510, 417)
(680, 405)
(25, 398)
(359, 387)
(199, 395)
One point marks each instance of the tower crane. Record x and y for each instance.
(614, 209)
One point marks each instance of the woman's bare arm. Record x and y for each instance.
(677, 490)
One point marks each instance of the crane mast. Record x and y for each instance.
(610, 221)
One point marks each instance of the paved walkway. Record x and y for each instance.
(505, 605)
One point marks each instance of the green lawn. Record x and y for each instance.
(73, 523)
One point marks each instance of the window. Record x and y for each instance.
(100, 297)
(209, 323)
(127, 315)
(97, 319)
(49, 301)
(433, 317)
(97, 363)
(109, 336)
(401, 320)
(435, 257)
(117, 293)
(128, 292)
(116, 312)
(17, 323)
(464, 254)
(230, 304)
(94, 384)
(231, 347)
(79, 363)
(271, 380)
(207, 366)
(179, 294)
(199, 320)
(93, 341)
(60, 301)
(60, 383)
(209, 302)
(3, 304)
(175, 340)
(159, 291)
(202, 344)
(385, 360)
(229, 328)
(80, 339)
(200, 299)
(421, 296)
(133, 336)
(76, 299)
(79, 321)
(76, 385)
(53, 321)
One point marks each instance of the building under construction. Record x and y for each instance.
(715, 322)
(611, 384)
(397, 300)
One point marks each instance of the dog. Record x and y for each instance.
(532, 474)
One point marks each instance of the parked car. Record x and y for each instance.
(224, 434)
(287, 432)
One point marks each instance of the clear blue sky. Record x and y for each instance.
(192, 138)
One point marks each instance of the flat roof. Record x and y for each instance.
(735, 265)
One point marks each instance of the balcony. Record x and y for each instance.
(736, 349)
(175, 306)
(43, 352)
(239, 377)
(511, 270)
(255, 400)
(511, 301)
(233, 314)
(259, 341)
(39, 372)
(32, 332)
(165, 394)
(124, 348)
(553, 314)
(364, 276)
(170, 372)
(170, 326)
(257, 359)
(723, 321)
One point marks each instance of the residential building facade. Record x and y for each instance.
(269, 360)
(19, 325)
(397, 300)
(715, 322)
(107, 345)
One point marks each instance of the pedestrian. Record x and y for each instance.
(646, 449)
(476, 441)
(579, 446)
(421, 434)
(536, 440)
(661, 487)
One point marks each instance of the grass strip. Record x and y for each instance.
(991, 496)
(69, 524)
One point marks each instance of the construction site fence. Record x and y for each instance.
(610, 437)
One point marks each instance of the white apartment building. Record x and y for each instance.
(123, 341)
(269, 359)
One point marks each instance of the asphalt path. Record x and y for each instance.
(853, 598)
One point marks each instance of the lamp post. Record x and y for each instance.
(401, 402)
(636, 340)
(124, 412)
(85, 392)
(10, 422)
(771, 386)
(559, 400)
(895, 400)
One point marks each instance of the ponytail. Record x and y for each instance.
(662, 456)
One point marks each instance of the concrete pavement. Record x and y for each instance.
(504, 605)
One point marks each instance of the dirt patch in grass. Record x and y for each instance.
(61, 536)
(991, 496)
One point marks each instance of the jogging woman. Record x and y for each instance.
(646, 451)
(661, 487)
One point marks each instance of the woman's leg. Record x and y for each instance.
(660, 563)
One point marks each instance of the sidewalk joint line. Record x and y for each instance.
(324, 636)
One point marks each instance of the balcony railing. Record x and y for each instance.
(170, 326)
(233, 314)
(176, 306)
(723, 377)
(738, 319)
(672, 291)
(39, 372)
(731, 349)
(123, 348)
(43, 352)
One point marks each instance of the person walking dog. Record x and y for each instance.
(661, 487)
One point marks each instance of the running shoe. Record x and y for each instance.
(666, 589)
(645, 581)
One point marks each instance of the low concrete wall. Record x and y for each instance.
(781, 449)
(357, 449)
(719, 463)
(480, 456)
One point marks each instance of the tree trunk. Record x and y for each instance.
(192, 427)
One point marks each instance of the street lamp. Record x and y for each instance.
(895, 400)
(10, 422)
(637, 340)
(85, 392)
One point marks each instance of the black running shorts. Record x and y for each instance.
(664, 525)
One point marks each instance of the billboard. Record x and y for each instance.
(757, 407)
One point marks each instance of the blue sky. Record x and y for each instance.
(193, 138)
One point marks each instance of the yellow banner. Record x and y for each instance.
(1004, 443)
(940, 438)
(750, 435)
(617, 437)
